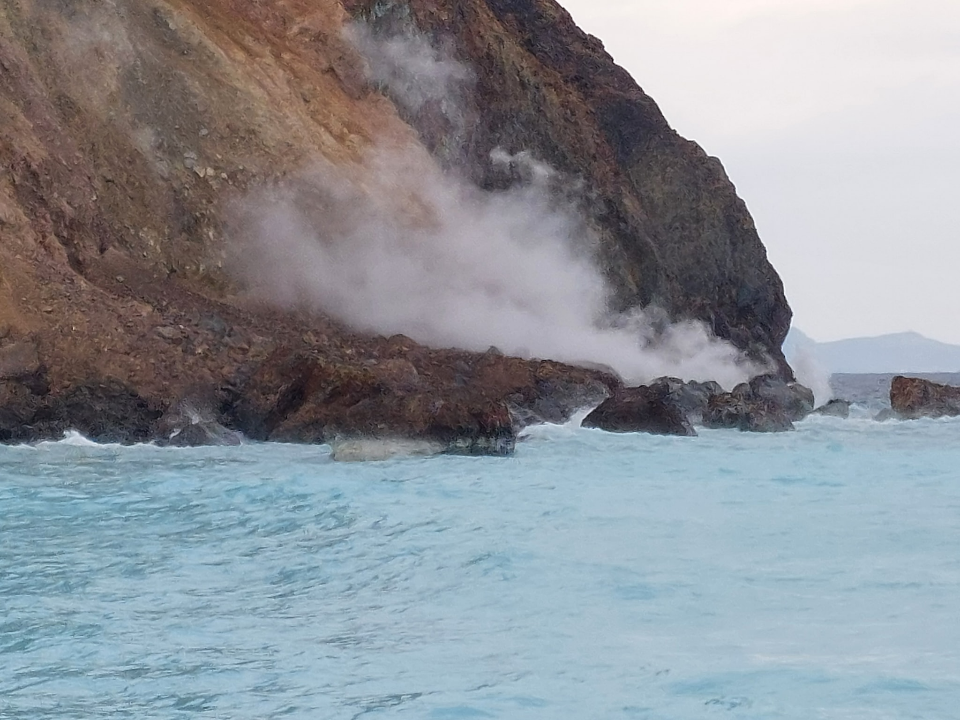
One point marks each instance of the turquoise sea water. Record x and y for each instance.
(808, 575)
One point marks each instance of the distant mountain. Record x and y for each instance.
(907, 352)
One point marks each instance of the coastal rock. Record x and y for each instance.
(650, 409)
(765, 404)
(691, 396)
(795, 400)
(192, 422)
(466, 403)
(835, 408)
(913, 398)
(730, 411)
(104, 411)
(112, 260)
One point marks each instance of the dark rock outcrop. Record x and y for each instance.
(671, 407)
(912, 398)
(650, 409)
(765, 404)
(105, 411)
(467, 404)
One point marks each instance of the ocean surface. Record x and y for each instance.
(806, 575)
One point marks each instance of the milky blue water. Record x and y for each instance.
(808, 575)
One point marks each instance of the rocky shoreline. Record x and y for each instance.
(393, 389)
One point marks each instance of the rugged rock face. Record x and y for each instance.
(673, 231)
(649, 409)
(672, 407)
(459, 401)
(128, 128)
(913, 398)
(765, 404)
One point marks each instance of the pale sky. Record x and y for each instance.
(838, 121)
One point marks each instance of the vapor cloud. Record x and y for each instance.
(398, 245)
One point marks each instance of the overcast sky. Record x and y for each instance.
(838, 121)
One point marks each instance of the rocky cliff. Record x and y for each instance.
(130, 130)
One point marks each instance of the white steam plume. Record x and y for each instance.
(398, 245)
(408, 248)
(409, 67)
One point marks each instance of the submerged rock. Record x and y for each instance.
(913, 398)
(835, 408)
(380, 449)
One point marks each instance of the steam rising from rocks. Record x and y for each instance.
(398, 245)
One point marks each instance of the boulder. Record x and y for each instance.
(913, 398)
(745, 413)
(793, 399)
(766, 404)
(106, 411)
(649, 409)
(691, 396)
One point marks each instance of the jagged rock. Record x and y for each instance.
(835, 408)
(731, 411)
(795, 400)
(468, 403)
(192, 423)
(104, 411)
(691, 396)
(297, 397)
(913, 398)
(202, 433)
(765, 404)
(650, 409)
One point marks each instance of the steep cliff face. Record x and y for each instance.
(673, 231)
(129, 129)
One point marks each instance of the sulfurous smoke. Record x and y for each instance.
(396, 244)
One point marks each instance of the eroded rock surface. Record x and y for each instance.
(642, 409)
(765, 404)
(458, 401)
(912, 398)
(129, 130)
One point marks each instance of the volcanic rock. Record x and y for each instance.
(642, 409)
(913, 398)
(765, 404)
(459, 401)
(114, 256)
